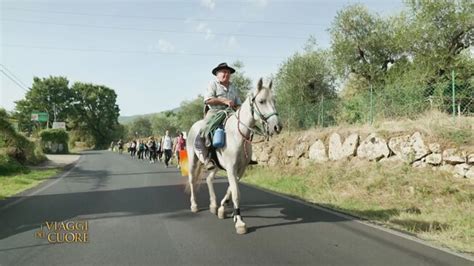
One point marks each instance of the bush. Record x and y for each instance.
(9, 165)
(54, 141)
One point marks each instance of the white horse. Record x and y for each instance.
(235, 156)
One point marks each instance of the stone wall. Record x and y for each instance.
(413, 149)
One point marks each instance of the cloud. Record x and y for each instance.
(211, 4)
(204, 28)
(165, 46)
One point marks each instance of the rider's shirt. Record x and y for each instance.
(217, 90)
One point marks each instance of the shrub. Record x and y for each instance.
(8, 165)
(53, 139)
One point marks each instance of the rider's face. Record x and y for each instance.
(223, 75)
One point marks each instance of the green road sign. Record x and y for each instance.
(39, 116)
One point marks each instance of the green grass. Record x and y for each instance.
(15, 183)
(431, 204)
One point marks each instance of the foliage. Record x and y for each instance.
(51, 95)
(16, 148)
(54, 137)
(362, 43)
(8, 165)
(94, 111)
(305, 88)
(164, 121)
(141, 127)
(242, 83)
(401, 66)
(190, 112)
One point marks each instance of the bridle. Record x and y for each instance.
(255, 130)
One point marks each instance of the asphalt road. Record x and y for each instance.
(138, 214)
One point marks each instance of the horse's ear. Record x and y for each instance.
(259, 84)
(270, 85)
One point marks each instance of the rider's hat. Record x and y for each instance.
(222, 66)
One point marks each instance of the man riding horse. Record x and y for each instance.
(220, 95)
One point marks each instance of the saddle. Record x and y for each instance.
(218, 121)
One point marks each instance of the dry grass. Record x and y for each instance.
(431, 204)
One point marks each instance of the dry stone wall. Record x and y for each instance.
(412, 149)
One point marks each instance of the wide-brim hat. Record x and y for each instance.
(222, 66)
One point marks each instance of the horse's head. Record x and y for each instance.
(263, 104)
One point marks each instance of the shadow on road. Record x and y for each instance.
(268, 209)
(38, 209)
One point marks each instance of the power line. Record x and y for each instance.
(170, 18)
(13, 75)
(18, 84)
(135, 51)
(153, 30)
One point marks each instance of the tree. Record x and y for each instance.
(51, 95)
(242, 83)
(190, 112)
(304, 87)
(94, 110)
(141, 127)
(440, 31)
(164, 121)
(363, 43)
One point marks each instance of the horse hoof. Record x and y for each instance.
(213, 209)
(240, 226)
(194, 209)
(221, 212)
(241, 230)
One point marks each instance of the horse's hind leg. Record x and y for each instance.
(224, 202)
(194, 173)
(212, 193)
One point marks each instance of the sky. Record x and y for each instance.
(156, 54)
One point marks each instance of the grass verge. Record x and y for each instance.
(16, 183)
(433, 205)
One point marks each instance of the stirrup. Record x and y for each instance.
(209, 164)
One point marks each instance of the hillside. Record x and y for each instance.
(128, 119)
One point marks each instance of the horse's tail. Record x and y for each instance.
(194, 166)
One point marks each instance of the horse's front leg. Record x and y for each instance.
(224, 202)
(212, 193)
(240, 226)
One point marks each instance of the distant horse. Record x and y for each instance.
(235, 156)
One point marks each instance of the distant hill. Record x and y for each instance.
(128, 119)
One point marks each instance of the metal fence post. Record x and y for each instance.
(454, 94)
(322, 110)
(371, 117)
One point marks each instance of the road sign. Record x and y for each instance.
(39, 116)
(59, 125)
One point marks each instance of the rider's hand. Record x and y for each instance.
(231, 104)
